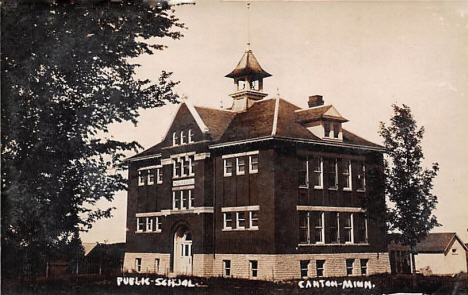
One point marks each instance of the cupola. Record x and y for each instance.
(248, 81)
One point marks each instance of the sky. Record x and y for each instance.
(362, 56)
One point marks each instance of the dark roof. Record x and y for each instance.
(351, 138)
(216, 120)
(435, 242)
(155, 149)
(248, 66)
(315, 114)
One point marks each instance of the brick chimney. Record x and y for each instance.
(315, 101)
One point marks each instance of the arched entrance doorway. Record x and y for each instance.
(183, 258)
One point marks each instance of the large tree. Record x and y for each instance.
(66, 76)
(408, 184)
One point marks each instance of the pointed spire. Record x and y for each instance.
(248, 66)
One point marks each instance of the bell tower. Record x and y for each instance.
(248, 82)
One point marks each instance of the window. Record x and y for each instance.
(141, 178)
(319, 228)
(158, 224)
(348, 228)
(176, 168)
(454, 251)
(347, 175)
(253, 268)
(364, 263)
(190, 136)
(184, 166)
(349, 267)
(304, 268)
(149, 224)
(140, 224)
(326, 129)
(253, 164)
(362, 228)
(156, 265)
(240, 218)
(334, 227)
(361, 177)
(183, 198)
(304, 236)
(159, 175)
(138, 264)
(175, 139)
(227, 268)
(304, 173)
(227, 167)
(333, 173)
(240, 166)
(191, 199)
(336, 130)
(253, 219)
(318, 168)
(150, 177)
(227, 220)
(320, 267)
(191, 166)
(183, 137)
(175, 201)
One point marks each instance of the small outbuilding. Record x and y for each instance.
(441, 254)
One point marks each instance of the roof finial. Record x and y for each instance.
(248, 30)
(184, 97)
(277, 92)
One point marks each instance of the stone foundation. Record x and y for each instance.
(270, 267)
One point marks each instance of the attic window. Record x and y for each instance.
(326, 127)
(175, 139)
(190, 136)
(183, 137)
(336, 130)
(454, 251)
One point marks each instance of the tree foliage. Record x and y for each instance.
(66, 76)
(408, 185)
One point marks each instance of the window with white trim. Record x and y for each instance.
(138, 264)
(320, 267)
(304, 268)
(159, 175)
(184, 165)
(318, 173)
(141, 178)
(149, 224)
(319, 228)
(333, 173)
(364, 263)
(240, 166)
(362, 228)
(140, 224)
(361, 176)
(304, 233)
(336, 130)
(183, 200)
(240, 220)
(191, 160)
(348, 228)
(253, 164)
(349, 267)
(175, 139)
(334, 225)
(190, 136)
(176, 168)
(175, 200)
(227, 268)
(253, 219)
(347, 182)
(253, 268)
(158, 223)
(228, 167)
(191, 197)
(150, 177)
(183, 137)
(227, 216)
(303, 175)
(326, 129)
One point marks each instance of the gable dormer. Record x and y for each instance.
(324, 121)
